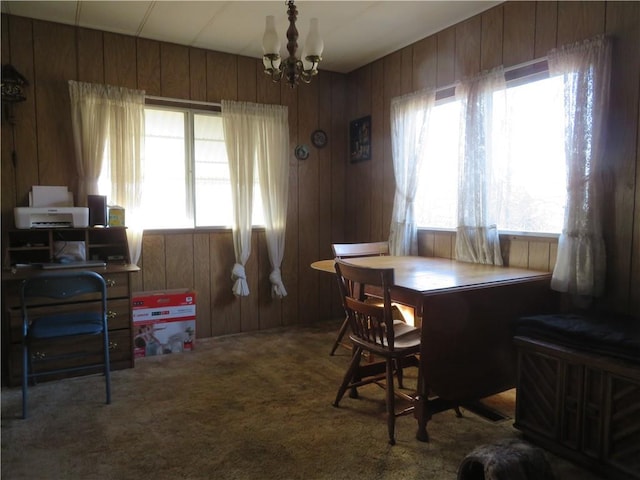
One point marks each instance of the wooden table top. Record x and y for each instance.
(429, 275)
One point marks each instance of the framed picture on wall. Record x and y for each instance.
(360, 139)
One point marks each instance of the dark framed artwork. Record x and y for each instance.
(360, 139)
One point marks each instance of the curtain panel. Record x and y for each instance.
(257, 135)
(477, 238)
(409, 126)
(581, 260)
(109, 119)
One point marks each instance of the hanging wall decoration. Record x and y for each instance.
(360, 139)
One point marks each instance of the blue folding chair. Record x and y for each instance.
(89, 292)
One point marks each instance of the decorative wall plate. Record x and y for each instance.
(302, 152)
(319, 138)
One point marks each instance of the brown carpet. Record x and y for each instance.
(248, 406)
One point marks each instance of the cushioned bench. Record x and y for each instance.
(578, 388)
(612, 335)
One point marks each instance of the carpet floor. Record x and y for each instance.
(246, 406)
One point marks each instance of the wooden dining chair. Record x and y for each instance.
(352, 250)
(373, 330)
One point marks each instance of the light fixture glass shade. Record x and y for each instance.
(270, 40)
(275, 64)
(314, 44)
(306, 64)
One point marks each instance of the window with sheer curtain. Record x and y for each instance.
(186, 174)
(528, 160)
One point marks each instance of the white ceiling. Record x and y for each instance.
(355, 33)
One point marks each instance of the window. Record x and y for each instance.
(529, 163)
(186, 172)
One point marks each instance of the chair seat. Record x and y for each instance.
(81, 323)
(406, 338)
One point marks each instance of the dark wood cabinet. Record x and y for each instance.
(583, 406)
(25, 250)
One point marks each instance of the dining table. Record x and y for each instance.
(465, 312)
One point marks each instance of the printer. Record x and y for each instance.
(50, 207)
(51, 217)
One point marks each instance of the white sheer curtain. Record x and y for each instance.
(257, 134)
(273, 173)
(580, 264)
(477, 238)
(409, 123)
(110, 119)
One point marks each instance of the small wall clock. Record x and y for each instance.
(302, 152)
(319, 138)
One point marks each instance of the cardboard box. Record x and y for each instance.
(164, 321)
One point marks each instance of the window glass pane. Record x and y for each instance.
(437, 195)
(532, 169)
(165, 175)
(212, 179)
(212, 182)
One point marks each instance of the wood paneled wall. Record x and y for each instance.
(49, 54)
(510, 34)
(330, 200)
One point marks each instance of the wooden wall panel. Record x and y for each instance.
(197, 74)
(247, 79)
(249, 316)
(379, 227)
(406, 77)
(339, 158)
(202, 284)
(270, 308)
(225, 307)
(623, 23)
(90, 56)
(579, 20)
(425, 63)
(539, 256)
(148, 66)
(175, 74)
(55, 63)
(179, 267)
(517, 254)
(546, 28)
(444, 244)
(445, 75)
(154, 254)
(519, 32)
(492, 38)
(308, 204)
(120, 62)
(391, 72)
(467, 51)
(7, 179)
(291, 307)
(324, 195)
(22, 171)
(222, 77)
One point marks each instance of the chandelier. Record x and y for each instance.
(291, 69)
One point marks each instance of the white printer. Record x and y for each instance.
(50, 207)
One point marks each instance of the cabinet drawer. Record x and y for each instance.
(120, 355)
(117, 284)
